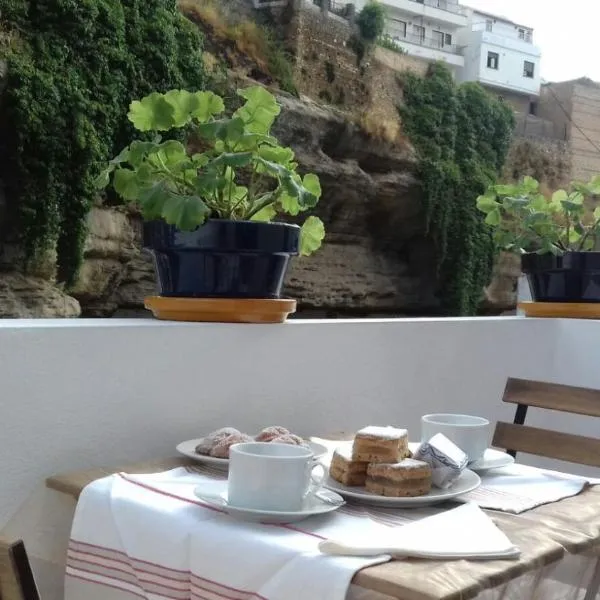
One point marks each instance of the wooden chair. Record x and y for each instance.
(518, 437)
(16, 576)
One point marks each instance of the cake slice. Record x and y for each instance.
(408, 478)
(345, 469)
(380, 445)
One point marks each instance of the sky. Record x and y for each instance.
(565, 31)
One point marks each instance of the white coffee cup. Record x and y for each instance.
(470, 434)
(272, 477)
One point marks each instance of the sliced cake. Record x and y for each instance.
(380, 445)
(345, 469)
(406, 478)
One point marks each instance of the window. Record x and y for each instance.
(419, 32)
(489, 25)
(521, 34)
(447, 39)
(525, 34)
(493, 60)
(528, 69)
(533, 108)
(398, 27)
(438, 39)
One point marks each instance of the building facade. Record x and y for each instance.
(426, 29)
(574, 108)
(501, 55)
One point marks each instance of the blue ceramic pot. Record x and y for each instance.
(222, 259)
(571, 277)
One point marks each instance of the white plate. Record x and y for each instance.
(189, 449)
(467, 482)
(215, 494)
(492, 459)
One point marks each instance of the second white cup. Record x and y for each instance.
(470, 434)
(272, 477)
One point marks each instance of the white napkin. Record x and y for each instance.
(465, 532)
(518, 488)
(148, 535)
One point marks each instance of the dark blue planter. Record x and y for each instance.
(571, 277)
(222, 259)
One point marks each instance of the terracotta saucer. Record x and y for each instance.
(221, 310)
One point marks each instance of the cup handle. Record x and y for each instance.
(316, 480)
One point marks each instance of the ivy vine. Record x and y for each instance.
(462, 135)
(72, 73)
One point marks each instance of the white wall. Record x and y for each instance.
(87, 393)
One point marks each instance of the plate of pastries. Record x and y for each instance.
(380, 467)
(214, 447)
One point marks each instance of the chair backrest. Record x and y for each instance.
(16, 576)
(517, 437)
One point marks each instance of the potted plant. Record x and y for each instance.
(209, 201)
(556, 236)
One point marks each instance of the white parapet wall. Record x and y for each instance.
(84, 393)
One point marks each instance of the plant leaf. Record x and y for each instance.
(260, 110)
(185, 212)
(311, 236)
(493, 218)
(208, 106)
(126, 185)
(152, 113)
(487, 203)
(267, 214)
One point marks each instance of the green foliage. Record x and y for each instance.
(462, 135)
(371, 21)
(524, 220)
(242, 174)
(388, 42)
(75, 70)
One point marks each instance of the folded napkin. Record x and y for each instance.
(518, 488)
(465, 532)
(149, 536)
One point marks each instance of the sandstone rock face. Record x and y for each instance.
(28, 297)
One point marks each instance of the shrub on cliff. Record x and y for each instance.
(462, 134)
(75, 68)
(371, 21)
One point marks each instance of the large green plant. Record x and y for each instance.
(462, 135)
(371, 21)
(242, 173)
(525, 220)
(73, 69)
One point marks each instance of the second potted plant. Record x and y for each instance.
(557, 237)
(210, 201)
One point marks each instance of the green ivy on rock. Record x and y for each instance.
(462, 135)
(71, 77)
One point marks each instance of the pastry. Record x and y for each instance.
(221, 447)
(288, 438)
(380, 445)
(209, 441)
(345, 469)
(407, 478)
(268, 434)
(446, 459)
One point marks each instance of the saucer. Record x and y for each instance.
(492, 459)
(215, 494)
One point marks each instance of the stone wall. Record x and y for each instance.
(326, 67)
(547, 160)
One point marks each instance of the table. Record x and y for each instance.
(545, 535)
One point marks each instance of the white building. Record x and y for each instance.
(426, 29)
(500, 55)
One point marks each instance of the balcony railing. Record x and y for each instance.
(427, 42)
(447, 5)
